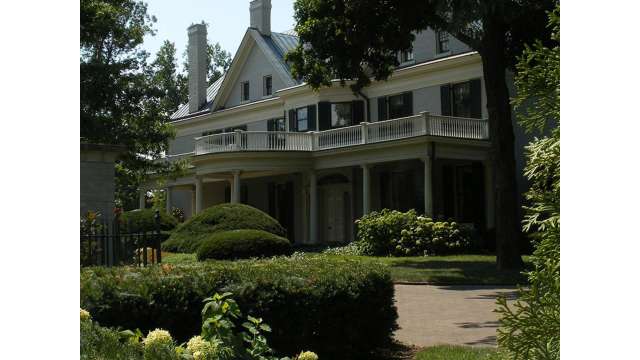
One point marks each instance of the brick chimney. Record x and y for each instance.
(197, 55)
(260, 11)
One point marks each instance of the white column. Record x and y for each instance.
(168, 200)
(142, 199)
(199, 194)
(428, 188)
(235, 188)
(366, 191)
(489, 194)
(313, 208)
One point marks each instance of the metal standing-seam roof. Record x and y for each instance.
(279, 43)
(212, 90)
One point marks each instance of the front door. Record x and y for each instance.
(334, 212)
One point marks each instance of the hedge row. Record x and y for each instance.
(340, 308)
(142, 220)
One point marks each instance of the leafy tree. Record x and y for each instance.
(119, 103)
(167, 79)
(359, 39)
(530, 328)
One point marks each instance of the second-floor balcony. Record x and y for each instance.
(423, 124)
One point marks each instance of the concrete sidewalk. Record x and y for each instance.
(457, 315)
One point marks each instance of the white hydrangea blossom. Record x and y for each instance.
(84, 314)
(307, 355)
(158, 337)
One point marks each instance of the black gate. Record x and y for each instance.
(104, 243)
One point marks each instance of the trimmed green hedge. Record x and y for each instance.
(188, 237)
(243, 244)
(341, 308)
(142, 220)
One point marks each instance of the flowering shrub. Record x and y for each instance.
(220, 338)
(391, 232)
(159, 345)
(84, 315)
(307, 355)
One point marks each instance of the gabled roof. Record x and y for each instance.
(274, 46)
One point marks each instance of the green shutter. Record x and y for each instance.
(293, 124)
(476, 98)
(311, 117)
(407, 100)
(324, 115)
(382, 108)
(357, 112)
(445, 100)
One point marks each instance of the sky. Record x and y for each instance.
(228, 21)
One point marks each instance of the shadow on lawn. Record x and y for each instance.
(453, 272)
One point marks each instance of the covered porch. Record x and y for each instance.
(318, 195)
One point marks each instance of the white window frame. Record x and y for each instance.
(242, 92)
(439, 50)
(264, 86)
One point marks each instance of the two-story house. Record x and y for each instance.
(318, 160)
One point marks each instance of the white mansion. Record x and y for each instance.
(318, 160)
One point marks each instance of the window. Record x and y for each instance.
(278, 124)
(302, 119)
(341, 114)
(399, 106)
(462, 99)
(442, 42)
(267, 86)
(244, 90)
(406, 56)
(395, 106)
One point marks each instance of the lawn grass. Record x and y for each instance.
(451, 352)
(454, 269)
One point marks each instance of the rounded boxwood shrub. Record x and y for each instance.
(242, 244)
(188, 236)
(341, 308)
(143, 220)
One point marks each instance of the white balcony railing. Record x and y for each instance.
(365, 133)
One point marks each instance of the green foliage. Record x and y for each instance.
(360, 40)
(341, 308)
(351, 249)
(242, 244)
(120, 103)
(223, 217)
(530, 328)
(391, 232)
(451, 352)
(96, 341)
(143, 220)
(168, 80)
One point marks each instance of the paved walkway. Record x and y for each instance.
(457, 315)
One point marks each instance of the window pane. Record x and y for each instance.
(462, 99)
(245, 91)
(267, 85)
(301, 115)
(397, 107)
(341, 114)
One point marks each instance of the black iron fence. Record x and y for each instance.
(115, 242)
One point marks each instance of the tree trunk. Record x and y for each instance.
(494, 70)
